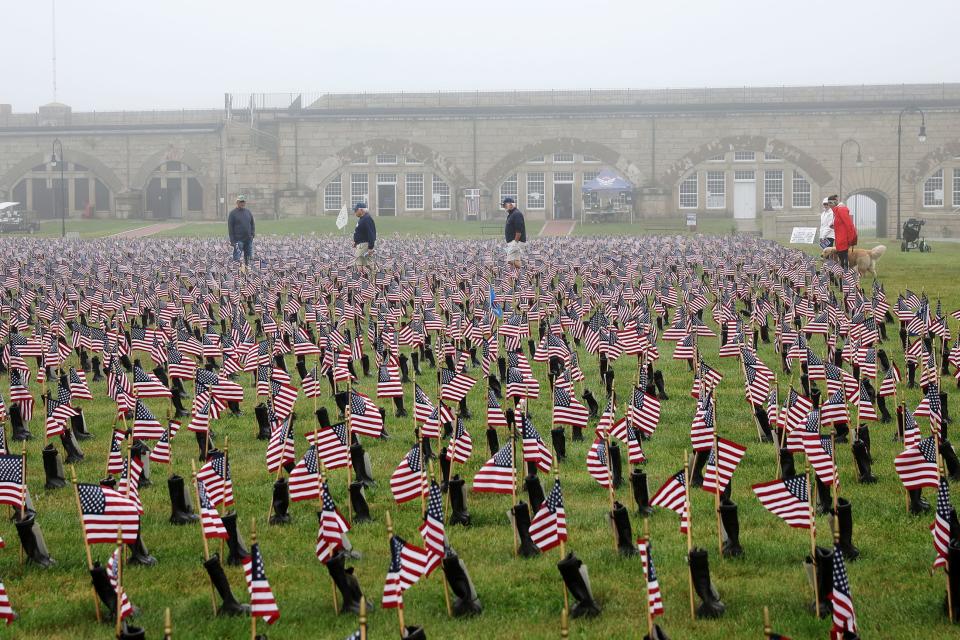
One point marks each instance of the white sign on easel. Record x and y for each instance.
(803, 235)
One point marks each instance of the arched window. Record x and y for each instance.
(40, 189)
(173, 189)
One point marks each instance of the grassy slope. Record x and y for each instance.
(91, 228)
(891, 586)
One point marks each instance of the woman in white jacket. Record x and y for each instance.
(826, 224)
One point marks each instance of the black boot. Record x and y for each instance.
(31, 539)
(20, 431)
(302, 367)
(444, 470)
(731, 529)
(161, 375)
(763, 421)
(841, 432)
(365, 365)
(495, 386)
(179, 409)
(139, 554)
(641, 492)
(559, 441)
(862, 459)
(918, 505)
(696, 468)
(493, 441)
(658, 381)
(591, 403)
(885, 416)
(464, 410)
(361, 464)
(621, 525)
(229, 605)
(430, 358)
(181, 510)
(953, 575)
(426, 445)
(465, 600)
(911, 375)
(765, 334)
(824, 497)
(237, 550)
(97, 374)
(358, 502)
(415, 361)
(104, 590)
(399, 410)
(404, 362)
(577, 581)
(608, 380)
(79, 425)
(945, 408)
(949, 457)
(521, 520)
(821, 579)
(281, 502)
(710, 604)
(140, 452)
(347, 584)
(534, 492)
(844, 520)
(70, 447)
(616, 465)
(53, 468)
(263, 421)
(458, 501)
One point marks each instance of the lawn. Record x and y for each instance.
(91, 228)
(893, 592)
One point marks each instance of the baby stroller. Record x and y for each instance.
(911, 236)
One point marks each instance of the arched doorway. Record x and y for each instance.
(868, 208)
(173, 188)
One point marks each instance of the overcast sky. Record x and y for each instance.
(140, 54)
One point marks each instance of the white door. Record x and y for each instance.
(745, 197)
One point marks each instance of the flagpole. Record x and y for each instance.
(813, 545)
(947, 567)
(563, 546)
(686, 505)
(86, 543)
(513, 480)
(203, 536)
(403, 626)
(716, 479)
(767, 629)
(167, 625)
(253, 616)
(226, 465)
(119, 590)
(336, 605)
(646, 577)
(23, 489)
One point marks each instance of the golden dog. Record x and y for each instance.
(865, 260)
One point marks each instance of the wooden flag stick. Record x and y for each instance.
(336, 605)
(86, 545)
(813, 546)
(206, 545)
(363, 618)
(563, 546)
(513, 479)
(646, 574)
(403, 626)
(686, 506)
(167, 625)
(716, 478)
(767, 629)
(253, 617)
(564, 624)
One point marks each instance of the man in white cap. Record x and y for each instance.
(514, 231)
(242, 230)
(826, 224)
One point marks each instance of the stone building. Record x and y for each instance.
(763, 157)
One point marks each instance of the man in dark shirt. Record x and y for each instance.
(364, 236)
(242, 230)
(515, 232)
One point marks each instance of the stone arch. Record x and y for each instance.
(928, 163)
(882, 201)
(101, 170)
(509, 163)
(790, 154)
(192, 160)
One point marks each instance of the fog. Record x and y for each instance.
(135, 54)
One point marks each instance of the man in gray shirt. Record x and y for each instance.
(242, 230)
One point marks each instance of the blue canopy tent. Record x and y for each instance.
(607, 185)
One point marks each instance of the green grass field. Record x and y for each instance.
(892, 589)
(90, 228)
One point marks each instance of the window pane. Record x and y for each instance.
(536, 160)
(773, 189)
(688, 192)
(589, 175)
(716, 158)
(716, 190)
(563, 157)
(414, 191)
(509, 188)
(359, 191)
(535, 190)
(956, 187)
(801, 191)
(933, 190)
(332, 195)
(587, 158)
(770, 156)
(562, 176)
(744, 156)
(386, 158)
(441, 194)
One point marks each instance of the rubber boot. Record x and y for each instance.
(139, 554)
(161, 375)
(383, 420)
(31, 539)
(218, 578)
(950, 461)
(346, 583)
(361, 464)
(281, 502)
(237, 549)
(493, 441)
(820, 577)
(97, 374)
(53, 468)
(20, 431)
(824, 497)
(181, 511)
(731, 529)
(658, 634)
(415, 361)
(885, 416)
(426, 445)
(84, 361)
(179, 409)
(608, 380)
(465, 600)
(447, 430)
(521, 521)
(591, 403)
(559, 441)
(763, 421)
(444, 470)
(710, 604)
(616, 464)
(430, 358)
(263, 421)
(494, 385)
(358, 503)
(844, 521)
(765, 333)
(621, 525)
(534, 492)
(911, 375)
(399, 410)
(841, 432)
(280, 362)
(458, 502)
(641, 492)
(658, 381)
(70, 447)
(104, 590)
(918, 505)
(953, 575)
(323, 417)
(577, 580)
(404, 368)
(805, 383)
(125, 361)
(862, 459)
(464, 410)
(78, 424)
(698, 461)
(511, 417)
(302, 367)
(604, 364)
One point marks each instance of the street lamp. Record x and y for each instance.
(921, 137)
(859, 162)
(56, 159)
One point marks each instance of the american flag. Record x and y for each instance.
(888, 386)
(497, 475)
(534, 450)
(796, 411)
(495, 416)
(673, 495)
(718, 475)
(788, 499)
(178, 366)
(917, 465)
(408, 563)
(455, 386)
(332, 446)
(280, 448)
(12, 485)
(145, 424)
(330, 536)
(161, 452)
(654, 599)
(865, 403)
(549, 525)
(844, 618)
(911, 432)
(115, 457)
(305, 477)
(365, 418)
(284, 397)
(432, 529)
(6, 611)
(461, 445)
(388, 379)
(644, 411)
(79, 388)
(940, 529)
(834, 410)
(209, 516)
(147, 385)
(597, 462)
(567, 409)
(757, 386)
(422, 405)
(103, 511)
(113, 574)
(408, 480)
(262, 603)
(129, 481)
(815, 366)
(703, 429)
(216, 475)
(58, 412)
(311, 384)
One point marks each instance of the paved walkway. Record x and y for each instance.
(149, 230)
(558, 228)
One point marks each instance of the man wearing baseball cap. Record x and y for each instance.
(364, 235)
(242, 230)
(514, 231)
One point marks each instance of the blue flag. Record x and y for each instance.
(493, 304)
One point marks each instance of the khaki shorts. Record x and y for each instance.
(515, 251)
(362, 257)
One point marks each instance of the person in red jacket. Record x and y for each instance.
(844, 231)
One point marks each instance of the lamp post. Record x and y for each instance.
(56, 159)
(921, 137)
(859, 162)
